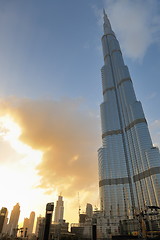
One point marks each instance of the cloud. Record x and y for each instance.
(69, 136)
(136, 25)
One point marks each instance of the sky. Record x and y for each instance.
(50, 92)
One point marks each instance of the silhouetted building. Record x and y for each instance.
(82, 217)
(58, 230)
(40, 221)
(40, 230)
(3, 219)
(77, 230)
(48, 220)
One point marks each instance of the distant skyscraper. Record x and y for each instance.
(59, 210)
(39, 222)
(3, 219)
(28, 225)
(13, 221)
(31, 223)
(25, 227)
(129, 164)
(89, 210)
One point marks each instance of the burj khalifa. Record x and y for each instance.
(129, 164)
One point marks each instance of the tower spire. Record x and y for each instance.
(107, 26)
(104, 12)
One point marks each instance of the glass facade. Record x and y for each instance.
(129, 165)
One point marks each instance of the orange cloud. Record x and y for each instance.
(68, 135)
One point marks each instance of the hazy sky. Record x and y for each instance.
(50, 92)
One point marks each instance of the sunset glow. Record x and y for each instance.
(21, 180)
(10, 132)
(57, 120)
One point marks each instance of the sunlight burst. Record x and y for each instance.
(10, 132)
(19, 175)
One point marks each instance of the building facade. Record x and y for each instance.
(129, 164)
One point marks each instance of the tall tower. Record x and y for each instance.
(129, 164)
(31, 223)
(3, 219)
(59, 210)
(13, 221)
(48, 220)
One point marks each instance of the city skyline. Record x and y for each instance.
(51, 88)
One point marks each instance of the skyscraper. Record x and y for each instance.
(59, 209)
(28, 224)
(89, 210)
(39, 222)
(31, 223)
(25, 227)
(129, 164)
(13, 221)
(48, 220)
(3, 219)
